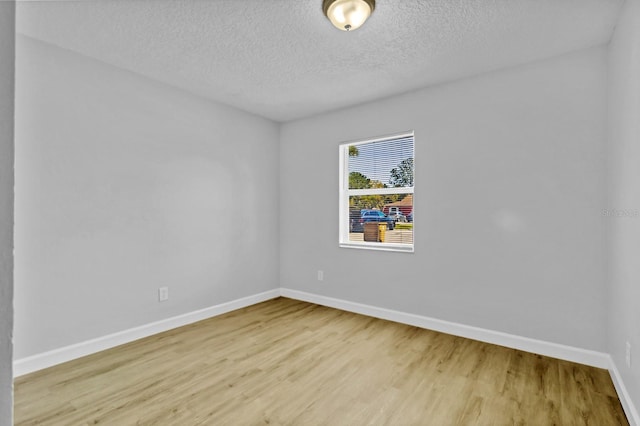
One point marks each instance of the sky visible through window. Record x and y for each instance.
(375, 160)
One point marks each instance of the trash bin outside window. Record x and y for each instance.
(382, 228)
(374, 231)
(371, 231)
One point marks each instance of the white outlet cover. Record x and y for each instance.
(628, 355)
(163, 294)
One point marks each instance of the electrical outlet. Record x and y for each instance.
(628, 355)
(320, 275)
(163, 294)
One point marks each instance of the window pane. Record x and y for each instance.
(393, 211)
(376, 193)
(382, 164)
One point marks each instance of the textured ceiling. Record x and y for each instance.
(282, 59)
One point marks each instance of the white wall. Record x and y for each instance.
(510, 176)
(624, 168)
(124, 185)
(7, 35)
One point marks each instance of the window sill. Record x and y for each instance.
(405, 248)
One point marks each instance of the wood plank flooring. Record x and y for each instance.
(287, 362)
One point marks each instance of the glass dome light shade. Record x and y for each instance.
(348, 15)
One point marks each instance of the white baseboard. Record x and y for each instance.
(554, 350)
(629, 409)
(67, 353)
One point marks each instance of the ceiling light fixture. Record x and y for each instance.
(348, 15)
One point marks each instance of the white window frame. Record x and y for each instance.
(345, 193)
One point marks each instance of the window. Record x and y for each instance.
(376, 193)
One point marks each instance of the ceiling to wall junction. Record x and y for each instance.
(283, 60)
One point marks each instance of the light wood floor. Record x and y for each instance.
(295, 363)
